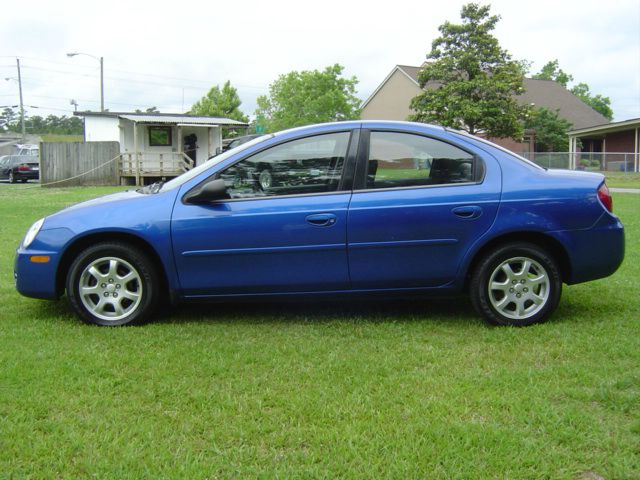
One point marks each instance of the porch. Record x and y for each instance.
(135, 167)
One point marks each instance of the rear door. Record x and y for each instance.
(420, 203)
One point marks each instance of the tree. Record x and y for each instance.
(471, 82)
(306, 97)
(551, 130)
(598, 102)
(36, 124)
(153, 109)
(218, 102)
(552, 71)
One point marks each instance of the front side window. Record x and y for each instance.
(407, 160)
(159, 136)
(308, 165)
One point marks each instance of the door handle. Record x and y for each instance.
(467, 212)
(322, 219)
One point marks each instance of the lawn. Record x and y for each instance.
(386, 389)
(623, 180)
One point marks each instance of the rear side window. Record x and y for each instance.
(407, 160)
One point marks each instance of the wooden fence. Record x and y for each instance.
(67, 163)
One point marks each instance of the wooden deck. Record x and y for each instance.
(144, 165)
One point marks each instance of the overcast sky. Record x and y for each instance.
(168, 54)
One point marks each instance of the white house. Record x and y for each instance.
(157, 144)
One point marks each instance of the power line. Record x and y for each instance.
(154, 75)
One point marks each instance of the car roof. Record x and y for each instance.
(369, 124)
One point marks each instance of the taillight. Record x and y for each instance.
(605, 197)
(23, 168)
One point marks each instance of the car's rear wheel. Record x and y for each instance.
(517, 284)
(113, 284)
(12, 178)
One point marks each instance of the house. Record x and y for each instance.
(392, 99)
(616, 145)
(157, 144)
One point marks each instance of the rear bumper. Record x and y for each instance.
(596, 252)
(27, 175)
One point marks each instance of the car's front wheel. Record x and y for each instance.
(517, 284)
(113, 284)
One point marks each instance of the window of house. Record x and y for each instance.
(307, 165)
(160, 136)
(407, 160)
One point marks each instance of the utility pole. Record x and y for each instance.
(101, 60)
(101, 84)
(21, 103)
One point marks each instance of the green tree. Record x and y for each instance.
(52, 124)
(552, 71)
(303, 98)
(551, 130)
(471, 81)
(153, 109)
(218, 102)
(598, 102)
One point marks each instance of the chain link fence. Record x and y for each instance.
(604, 162)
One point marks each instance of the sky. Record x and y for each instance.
(168, 55)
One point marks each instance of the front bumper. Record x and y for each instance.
(36, 279)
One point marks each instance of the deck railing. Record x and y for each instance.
(145, 164)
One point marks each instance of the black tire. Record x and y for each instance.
(12, 178)
(123, 274)
(527, 295)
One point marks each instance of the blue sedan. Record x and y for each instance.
(343, 208)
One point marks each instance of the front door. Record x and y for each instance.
(283, 228)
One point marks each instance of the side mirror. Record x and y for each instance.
(209, 192)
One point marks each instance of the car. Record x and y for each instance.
(236, 142)
(19, 168)
(359, 208)
(27, 149)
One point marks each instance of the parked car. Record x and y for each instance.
(27, 149)
(355, 208)
(19, 168)
(236, 142)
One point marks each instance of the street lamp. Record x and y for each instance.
(73, 54)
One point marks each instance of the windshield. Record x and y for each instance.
(194, 172)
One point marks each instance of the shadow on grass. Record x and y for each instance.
(451, 310)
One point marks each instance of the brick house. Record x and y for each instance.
(617, 144)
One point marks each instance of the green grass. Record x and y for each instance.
(386, 389)
(623, 180)
(62, 138)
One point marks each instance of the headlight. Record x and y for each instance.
(31, 234)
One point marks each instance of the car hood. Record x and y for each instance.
(111, 198)
(124, 211)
